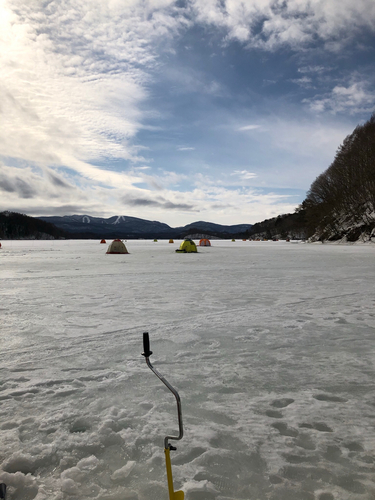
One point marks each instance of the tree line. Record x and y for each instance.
(15, 226)
(340, 202)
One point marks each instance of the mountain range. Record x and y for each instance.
(85, 226)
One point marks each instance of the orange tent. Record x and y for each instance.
(103, 241)
(204, 242)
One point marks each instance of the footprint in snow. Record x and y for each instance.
(330, 398)
(318, 426)
(274, 414)
(282, 403)
(284, 430)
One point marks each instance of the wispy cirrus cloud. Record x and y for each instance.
(313, 69)
(244, 174)
(191, 80)
(74, 75)
(305, 81)
(249, 127)
(161, 180)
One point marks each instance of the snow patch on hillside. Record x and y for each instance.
(120, 218)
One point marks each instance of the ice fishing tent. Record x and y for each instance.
(187, 246)
(117, 246)
(204, 242)
(171, 241)
(103, 241)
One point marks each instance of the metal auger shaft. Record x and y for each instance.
(173, 495)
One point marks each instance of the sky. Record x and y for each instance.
(178, 110)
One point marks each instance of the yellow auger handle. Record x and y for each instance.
(173, 495)
(178, 495)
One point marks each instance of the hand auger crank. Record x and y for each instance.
(173, 495)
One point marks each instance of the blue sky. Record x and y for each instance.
(178, 111)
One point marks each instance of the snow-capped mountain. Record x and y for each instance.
(132, 227)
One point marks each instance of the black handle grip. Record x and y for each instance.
(3, 490)
(146, 345)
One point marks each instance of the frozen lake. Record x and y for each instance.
(271, 346)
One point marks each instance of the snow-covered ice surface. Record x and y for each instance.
(271, 346)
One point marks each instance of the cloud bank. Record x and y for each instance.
(269, 24)
(77, 83)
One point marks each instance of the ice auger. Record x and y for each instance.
(173, 495)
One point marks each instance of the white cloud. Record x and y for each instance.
(165, 180)
(73, 78)
(74, 86)
(268, 24)
(42, 192)
(302, 82)
(305, 138)
(187, 80)
(25, 188)
(312, 69)
(221, 203)
(74, 75)
(293, 148)
(248, 127)
(352, 99)
(244, 174)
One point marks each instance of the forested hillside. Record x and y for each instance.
(341, 200)
(280, 227)
(18, 226)
(340, 204)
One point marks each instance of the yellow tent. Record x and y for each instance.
(187, 246)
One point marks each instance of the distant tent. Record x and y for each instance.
(204, 242)
(171, 241)
(103, 241)
(117, 246)
(187, 246)
(233, 239)
(155, 240)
